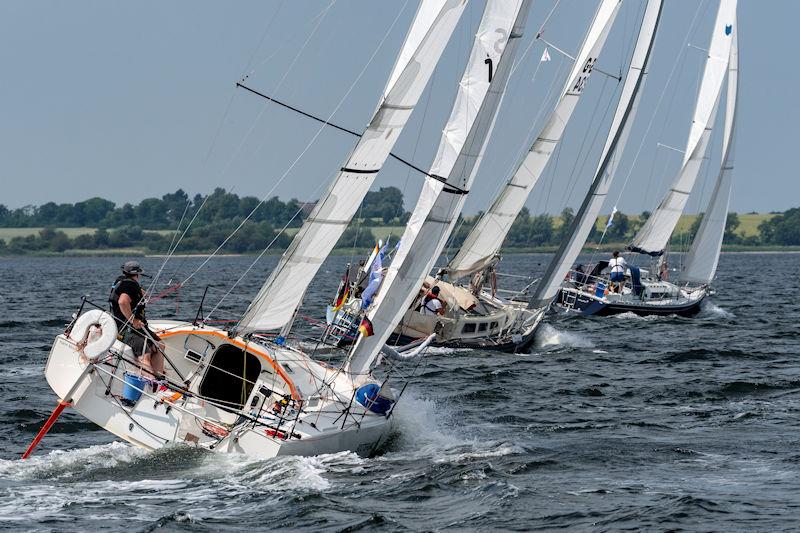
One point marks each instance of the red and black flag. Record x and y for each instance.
(365, 328)
(344, 292)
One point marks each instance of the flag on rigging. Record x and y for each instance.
(611, 218)
(365, 328)
(375, 278)
(344, 291)
(545, 56)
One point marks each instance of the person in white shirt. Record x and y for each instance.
(618, 266)
(432, 305)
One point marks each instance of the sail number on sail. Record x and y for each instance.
(498, 48)
(587, 69)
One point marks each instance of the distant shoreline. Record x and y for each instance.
(365, 251)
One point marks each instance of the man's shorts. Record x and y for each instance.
(140, 340)
(617, 276)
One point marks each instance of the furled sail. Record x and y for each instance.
(283, 291)
(701, 263)
(485, 239)
(457, 159)
(655, 234)
(615, 144)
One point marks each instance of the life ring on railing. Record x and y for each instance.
(96, 345)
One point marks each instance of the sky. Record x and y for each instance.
(129, 100)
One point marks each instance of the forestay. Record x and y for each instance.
(615, 145)
(485, 239)
(283, 291)
(655, 234)
(457, 159)
(701, 263)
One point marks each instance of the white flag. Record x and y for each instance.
(611, 218)
(545, 56)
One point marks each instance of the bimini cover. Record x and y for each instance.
(369, 396)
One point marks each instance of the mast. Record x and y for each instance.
(283, 291)
(701, 263)
(627, 106)
(653, 237)
(485, 239)
(452, 172)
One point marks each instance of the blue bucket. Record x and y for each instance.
(369, 396)
(134, 385)
(600, 290)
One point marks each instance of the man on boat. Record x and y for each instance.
(618, 266)
(127, 305)
(432, 305)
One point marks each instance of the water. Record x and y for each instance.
(610, 423)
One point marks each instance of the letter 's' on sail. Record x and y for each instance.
(485, 239)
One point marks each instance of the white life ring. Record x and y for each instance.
(98, 345)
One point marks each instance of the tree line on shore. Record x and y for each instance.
(154, 225)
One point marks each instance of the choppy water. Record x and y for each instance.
(609, 423)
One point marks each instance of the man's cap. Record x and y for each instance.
(132, 268)
(435, 289)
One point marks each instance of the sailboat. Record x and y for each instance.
(477, 317)
(652, 294)
(473, 317)
(240, 390)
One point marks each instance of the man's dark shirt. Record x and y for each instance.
(125, 285)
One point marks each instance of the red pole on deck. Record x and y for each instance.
(62, 404)
(46, 427)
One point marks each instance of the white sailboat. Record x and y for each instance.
(241, 391)
(476, 317)
(643, 293)
(459, 155)
(445, 189)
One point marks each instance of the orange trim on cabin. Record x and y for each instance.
(243, 346)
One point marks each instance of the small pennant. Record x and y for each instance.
(545, 56)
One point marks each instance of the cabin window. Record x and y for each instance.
(231, 376)
(193, 356)
(468, 328)
(493, 325)
(482, 326)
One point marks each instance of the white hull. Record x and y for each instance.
(652, 298)
(480, 321)
(314, 421)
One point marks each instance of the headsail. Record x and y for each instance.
(701, 263)
(452, 172)
(655, 234)
(615, 144)
(284, 289)
(485, 239)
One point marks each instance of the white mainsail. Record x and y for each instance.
(283, 291)
(615, 144)
(655, 234)
(460, 151)
(701, 263)
(485, 239)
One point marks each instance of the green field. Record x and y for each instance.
(748, 223)
(749, 226)
(7, 234)
(380, 232)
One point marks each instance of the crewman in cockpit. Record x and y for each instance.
(127, 301)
